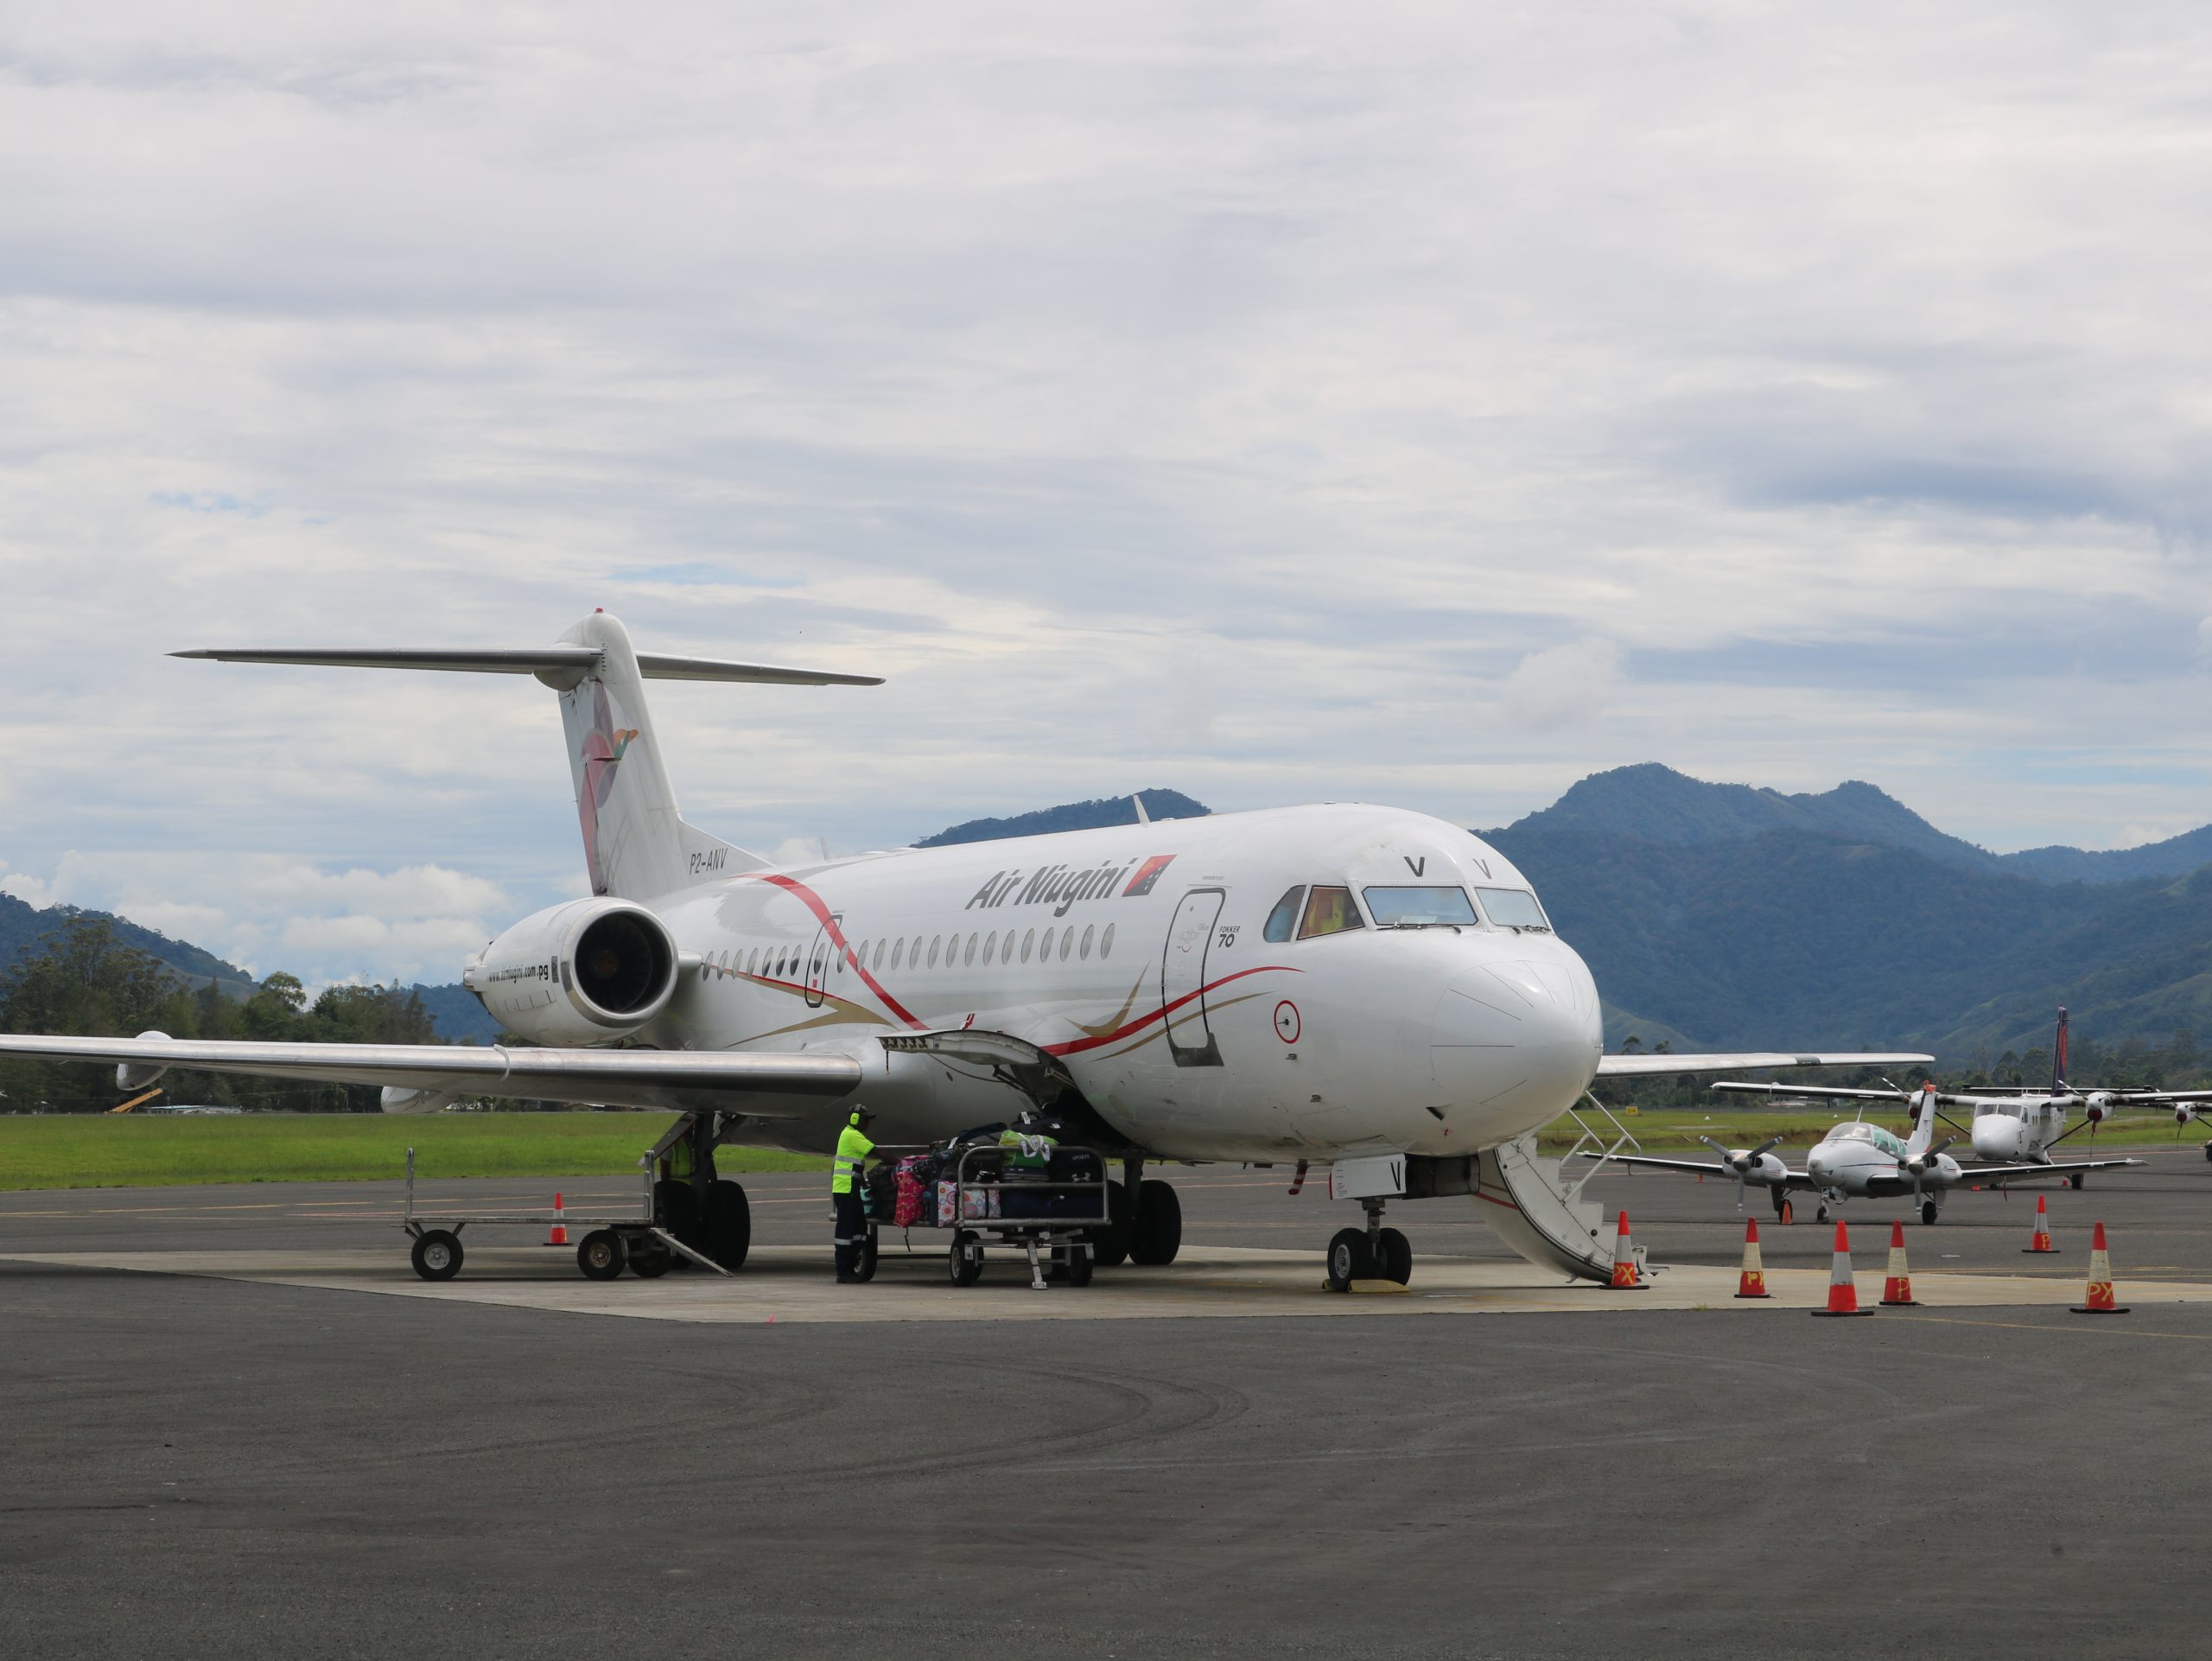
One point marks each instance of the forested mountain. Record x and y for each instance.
(25, 928)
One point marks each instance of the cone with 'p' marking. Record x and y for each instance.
(2042, 1242)
(2100, 1301)
(1896, 1287)
(559, 1235)
(1843, 1291)
(1625, 1277)
(1751, 1283)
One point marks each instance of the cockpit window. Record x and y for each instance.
(1854, 1133)
(1284, 917)
(1513, 909)
(1418, 907)
(1329, 911)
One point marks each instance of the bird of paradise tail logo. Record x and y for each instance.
(604, 746)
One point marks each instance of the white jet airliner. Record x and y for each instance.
(1366, 987)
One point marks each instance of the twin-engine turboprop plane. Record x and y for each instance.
(2019, 1126)
(1361, 987)
(1856, 1159)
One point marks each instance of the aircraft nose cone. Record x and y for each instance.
(1517, 1036)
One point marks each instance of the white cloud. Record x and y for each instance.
(1562, 686)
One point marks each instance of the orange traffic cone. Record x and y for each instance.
(1751, 1283)
(2099, 1300)
(1625, 1277)
(1897, 1289)
(2042, 1242)
(560, 1234)
(1843, 1292)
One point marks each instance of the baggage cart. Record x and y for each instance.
(1054, 1216)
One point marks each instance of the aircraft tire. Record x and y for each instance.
(2208, 1150)
(600, 1255)
(437, 1254)
(1927, 1212)
(1395, 1257)
(1110, 1246)
(676, 1211)
(2074, 1180)
(1159, 1232)
(1350, 1258)
(650, 1259)
(728, 1231)
(1821, 1215)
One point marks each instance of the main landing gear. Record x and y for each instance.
(1147, 1222)
(708, 1213)
(1784, 1213)
(1369, 1254)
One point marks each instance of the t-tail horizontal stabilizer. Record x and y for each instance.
(636, 843)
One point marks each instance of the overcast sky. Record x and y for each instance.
(1430, 405)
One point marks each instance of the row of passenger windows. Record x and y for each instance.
(786, 963)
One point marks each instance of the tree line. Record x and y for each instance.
(88, 983)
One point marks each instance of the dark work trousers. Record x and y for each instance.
(852, 1229)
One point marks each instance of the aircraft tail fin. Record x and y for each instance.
(636, 843)
(2058, 1057)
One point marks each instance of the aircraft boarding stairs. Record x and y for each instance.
(1540, 1212)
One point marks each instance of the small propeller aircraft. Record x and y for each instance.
(2022, 1125)
(1856, 1159)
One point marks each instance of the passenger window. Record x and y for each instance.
(1027, 941)
(970, 956)
(1284, 917)
(933, 944)
(879, 955)
(990, 948)
(1329, 911)
(1067, 941)
(1106, 943)
(1045, 947)
(898, 952)
(1087, 933)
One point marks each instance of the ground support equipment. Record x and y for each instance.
(610, 1243)
(1058, 1247)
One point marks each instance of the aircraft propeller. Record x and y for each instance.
(1921, 1163)
(1743, 1162)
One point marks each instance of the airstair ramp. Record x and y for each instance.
(1539, 1211)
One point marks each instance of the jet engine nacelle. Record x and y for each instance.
(582, 973)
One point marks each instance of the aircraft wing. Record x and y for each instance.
(1640, 1066)
(772, 1086)
(1700, 1167)
(1776, 1087)
(2056, 1168)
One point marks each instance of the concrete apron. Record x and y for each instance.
(792, 1284)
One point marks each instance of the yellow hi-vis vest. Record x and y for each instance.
(852, 1148)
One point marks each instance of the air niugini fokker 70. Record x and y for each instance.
(1361, 987)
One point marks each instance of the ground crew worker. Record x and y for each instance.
(852, 1149)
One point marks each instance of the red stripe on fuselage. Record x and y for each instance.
(814, 903)
(1075, 1045)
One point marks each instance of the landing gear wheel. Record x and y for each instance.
(966, 1258)
(650, 1258)
(1351, 1259)
(1821, 1215)
(1159, 1233)
(437, 1254)
(1110, 1246)
(1394, 1256)
(2208, 1150)
(1927, 1212)
(728, 1231)
(2073, 1181)
(1079, 1264)
(864, 1259)
(601, 1255)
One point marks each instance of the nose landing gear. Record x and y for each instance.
(1372, 1253)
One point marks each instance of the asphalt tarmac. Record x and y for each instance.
(200, 1466)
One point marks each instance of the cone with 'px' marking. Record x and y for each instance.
(2042, 1242)
(1625, 1276)
(560, 1232)
(2099, 1300)
(1896, 1287)
(1751, 1283)
(1843, 1292)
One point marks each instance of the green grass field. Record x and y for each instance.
(103, 1151)
(99, 1150)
